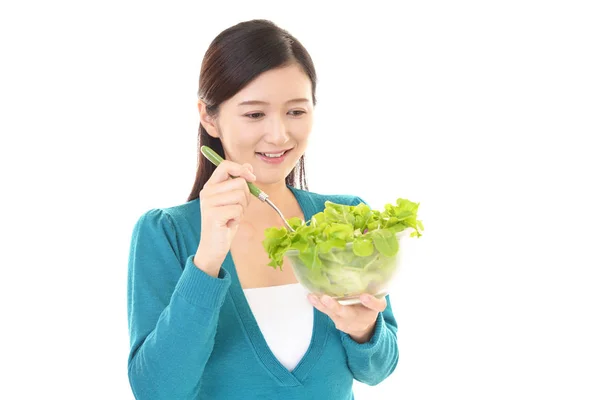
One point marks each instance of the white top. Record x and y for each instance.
(285, 318)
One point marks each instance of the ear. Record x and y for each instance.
(207, 121)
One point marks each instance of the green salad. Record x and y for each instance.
(321, 241)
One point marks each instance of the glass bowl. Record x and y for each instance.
(345, 276)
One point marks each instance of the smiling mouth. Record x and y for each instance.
(274, 155)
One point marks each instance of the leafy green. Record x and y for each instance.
(344, 249)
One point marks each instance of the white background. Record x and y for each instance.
(484, 112)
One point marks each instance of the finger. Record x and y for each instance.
(335, 307)
(229, 168)
(230, 216)
(314, 300)
(373, 302)
(242, 185)
(249, 166)
(236, 196)
(232, 185)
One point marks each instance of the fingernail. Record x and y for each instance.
(326, 300)
(365, 298)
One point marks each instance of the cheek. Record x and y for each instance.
(302, 128)
(241, 133)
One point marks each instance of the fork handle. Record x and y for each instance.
(216, 159)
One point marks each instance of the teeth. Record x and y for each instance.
(273, 155)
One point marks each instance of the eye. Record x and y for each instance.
(255, 115)
(297, 113)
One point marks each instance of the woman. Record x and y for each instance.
(208, 319)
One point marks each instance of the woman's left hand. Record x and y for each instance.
(357, 320)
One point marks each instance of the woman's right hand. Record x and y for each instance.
(223, 201)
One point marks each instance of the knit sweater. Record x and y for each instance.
(193, 336)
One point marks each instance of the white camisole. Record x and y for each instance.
(285, 318)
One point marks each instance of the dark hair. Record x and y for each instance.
(234, 58)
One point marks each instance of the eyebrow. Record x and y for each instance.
(259, 102)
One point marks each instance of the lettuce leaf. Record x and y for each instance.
(370, 231)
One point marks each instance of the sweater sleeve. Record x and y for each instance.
(173, 309)
(375, 360)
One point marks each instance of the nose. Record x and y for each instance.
(277, 133)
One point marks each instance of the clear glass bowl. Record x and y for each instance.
(345, 276)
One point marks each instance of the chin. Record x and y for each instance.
(269, 179)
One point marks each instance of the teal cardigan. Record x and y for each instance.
(193, 336)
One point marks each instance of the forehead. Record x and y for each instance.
(276, 86)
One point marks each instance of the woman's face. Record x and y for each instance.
(272, 114)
